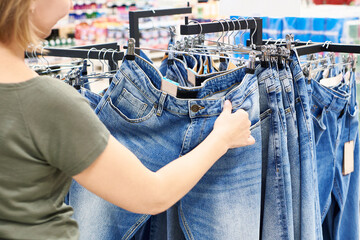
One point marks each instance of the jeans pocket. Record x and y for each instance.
(131, 108)
(353, 110)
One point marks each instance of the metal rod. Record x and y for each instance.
(213, 27)
(184, 52)
(112, 45)
(305, 48)
(134, 17)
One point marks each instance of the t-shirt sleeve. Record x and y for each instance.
(66, 132)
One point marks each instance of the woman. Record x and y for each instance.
(49, 134)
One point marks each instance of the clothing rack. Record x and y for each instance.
(87, 52)
(305, 48)
(255, 25)
(134, 17)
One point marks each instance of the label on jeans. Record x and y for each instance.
(169, 86)
(231, 66)
(191, 76)
(348, 164)
(326, 73)
(347, 77)
(331, 82)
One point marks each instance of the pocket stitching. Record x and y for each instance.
(138, 120)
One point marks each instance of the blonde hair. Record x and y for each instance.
(15, 24)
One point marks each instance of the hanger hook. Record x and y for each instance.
(99, 58)
(222, 31)
(267, 42)
(233, 19)
(42, 56)
(201, 30)
(104, 57)
(247, 26)
(35, 56)
(88, 57)
(115, 62)
(327, 43)
(232, 32)
(252, 36)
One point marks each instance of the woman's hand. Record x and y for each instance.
(233, 128)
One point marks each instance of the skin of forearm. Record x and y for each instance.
(181, 175)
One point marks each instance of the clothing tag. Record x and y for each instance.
(231, 66)
(331, 82)
(348, 164)
(205, 69)
(347, 77)
(191, 76)
(169, 86)
(213, 65)
(326, 73)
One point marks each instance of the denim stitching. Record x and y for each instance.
(186, 226)
(137, 225)
(148, 116)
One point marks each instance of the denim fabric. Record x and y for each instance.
(144, 56)
(190, 61)
(346, 220)
(287, 87)
(223, 65)
(173, 73)
(284, 152)
(92, 98)
(328, 117)
(225, 204)
(199, 63)
(309, 195)
(336, 122)
(177, 72)
(276, 219)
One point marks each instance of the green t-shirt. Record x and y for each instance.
(48, 133)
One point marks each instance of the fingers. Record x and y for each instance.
(227, 107)
(251, 140)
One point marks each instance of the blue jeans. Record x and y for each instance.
(276, 215)
(225, 204)
(309, 195)
(347, 219)
(284, 151)
(334, 112)
(288, 96)
(92, 97)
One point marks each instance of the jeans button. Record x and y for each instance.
(195, 108)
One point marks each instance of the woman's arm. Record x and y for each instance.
(120, 178)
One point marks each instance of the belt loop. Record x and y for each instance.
(161, 104)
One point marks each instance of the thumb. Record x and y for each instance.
(227, 107)
(250, 140)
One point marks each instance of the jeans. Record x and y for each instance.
(335, 123)
(157, 127)
(347, 219)
(276, 215)
(92, 97)
(288, 96)
(309, 195)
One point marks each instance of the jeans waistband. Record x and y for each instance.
(333, 101)
(295, 66)
(146, 78)
(267, 76)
